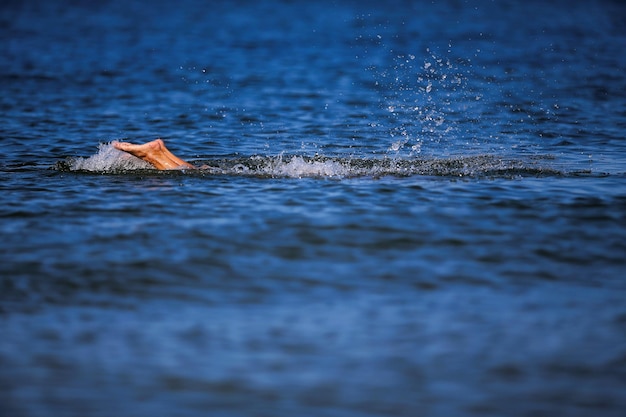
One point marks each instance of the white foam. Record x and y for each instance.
(108, 159)
(298, 167)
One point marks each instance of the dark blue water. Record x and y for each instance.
(408, 209)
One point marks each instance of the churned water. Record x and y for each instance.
(406, 208)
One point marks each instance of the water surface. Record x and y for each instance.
(407, 209)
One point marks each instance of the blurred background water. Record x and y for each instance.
(411, 208)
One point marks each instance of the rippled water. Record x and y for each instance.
(404, 208)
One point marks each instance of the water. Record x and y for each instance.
(408, 209)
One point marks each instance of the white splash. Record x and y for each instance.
(298, 167)
(108, 159)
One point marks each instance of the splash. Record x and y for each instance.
(107, 159)
(338, 167)
(110, 160)
(298, 166)
(423, 99)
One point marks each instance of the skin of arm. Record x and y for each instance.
(155, 153)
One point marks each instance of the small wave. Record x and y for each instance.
(110, 160)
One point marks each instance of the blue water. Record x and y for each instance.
(407, 209)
